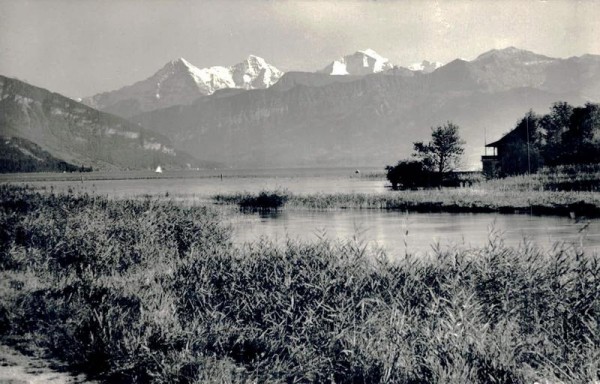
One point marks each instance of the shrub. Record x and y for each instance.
(409, 174)
(262, 201)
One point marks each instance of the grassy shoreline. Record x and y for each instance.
(443, 200)
(561, 191)
(150, 291)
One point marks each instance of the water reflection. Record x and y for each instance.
(399, 232)
(266, 215)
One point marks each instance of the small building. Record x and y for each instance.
(491, 163)
(501, 149)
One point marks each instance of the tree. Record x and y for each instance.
(557, 122)
(554, 126)
(582, 141)
(442, 153)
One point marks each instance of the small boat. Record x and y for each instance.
(158, 170)
(357, 171)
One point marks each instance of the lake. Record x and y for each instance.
(397, 232)
(200, 185)
(416, 233)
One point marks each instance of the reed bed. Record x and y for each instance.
(561, 178)
(472, 199)
(151, 291)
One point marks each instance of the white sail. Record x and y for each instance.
(158, 169)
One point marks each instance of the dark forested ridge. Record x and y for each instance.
(21, 155)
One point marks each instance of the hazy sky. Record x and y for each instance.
(81, 47)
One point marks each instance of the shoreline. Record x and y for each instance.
(570, 204)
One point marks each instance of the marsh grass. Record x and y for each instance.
(584, 178)
(248, 202)
(264, 200)
(473, 199)
(150, 291)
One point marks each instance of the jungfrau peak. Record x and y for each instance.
(425, 66)
(358, 64)
(180, 82)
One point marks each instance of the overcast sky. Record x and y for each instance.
(82, 47)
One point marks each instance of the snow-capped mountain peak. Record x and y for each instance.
(254, 72)
(255, 60)
(359, 63)
(180, 82)
(373, 54)
(183, 61)
(425, 66)
(180, 62)
(178, 66)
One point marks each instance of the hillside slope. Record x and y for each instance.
(78, 134)
(21, 155)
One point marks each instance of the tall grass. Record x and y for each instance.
(565, 178)
(439, 200)
(148, 291)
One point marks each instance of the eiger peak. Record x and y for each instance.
(180, 82)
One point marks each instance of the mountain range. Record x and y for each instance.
(180, 82)
(358, 110)
(315, 119)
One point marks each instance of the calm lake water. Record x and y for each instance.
(200, 185)
(416, 233)
(397, 232)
